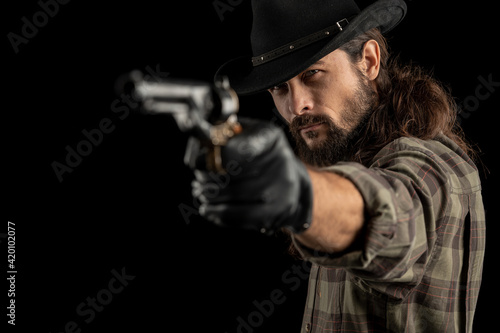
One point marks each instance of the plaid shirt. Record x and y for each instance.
(419, 266)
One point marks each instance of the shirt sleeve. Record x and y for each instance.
(405, 192)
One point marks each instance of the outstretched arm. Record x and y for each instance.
(337, 217)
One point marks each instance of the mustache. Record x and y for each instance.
(306, 120)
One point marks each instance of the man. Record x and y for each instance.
(384, 199)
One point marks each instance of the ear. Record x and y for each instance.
(371, 59)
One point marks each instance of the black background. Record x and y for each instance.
(119, 208)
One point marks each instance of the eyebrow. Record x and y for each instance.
(319, 62)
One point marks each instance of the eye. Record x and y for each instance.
(311, 72)
(278, 87)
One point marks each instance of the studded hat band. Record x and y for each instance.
(300, 43)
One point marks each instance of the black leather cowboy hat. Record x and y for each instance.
(288, 36)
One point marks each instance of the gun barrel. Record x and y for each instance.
(215, 102)
(170, 90)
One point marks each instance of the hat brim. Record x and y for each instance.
(246, 79)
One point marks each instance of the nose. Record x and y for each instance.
(299, 100)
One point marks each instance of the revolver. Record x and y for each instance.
(206, 111)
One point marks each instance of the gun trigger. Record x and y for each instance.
(214, 160)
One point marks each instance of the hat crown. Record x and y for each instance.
(278, 22)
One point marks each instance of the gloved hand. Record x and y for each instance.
(265, 187)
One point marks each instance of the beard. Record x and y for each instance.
(339, 143)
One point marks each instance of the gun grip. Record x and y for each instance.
(219, 136)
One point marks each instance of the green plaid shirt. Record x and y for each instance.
(419, 266)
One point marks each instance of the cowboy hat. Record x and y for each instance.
(288, 36)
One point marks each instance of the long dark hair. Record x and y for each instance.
(411, 103)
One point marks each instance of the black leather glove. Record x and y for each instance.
(265, 187)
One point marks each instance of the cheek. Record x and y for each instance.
(330, 100)
(280, 105)
(335, 95)
(285, 117)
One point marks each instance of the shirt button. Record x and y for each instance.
(308, 327)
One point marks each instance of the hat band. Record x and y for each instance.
(300, 43)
